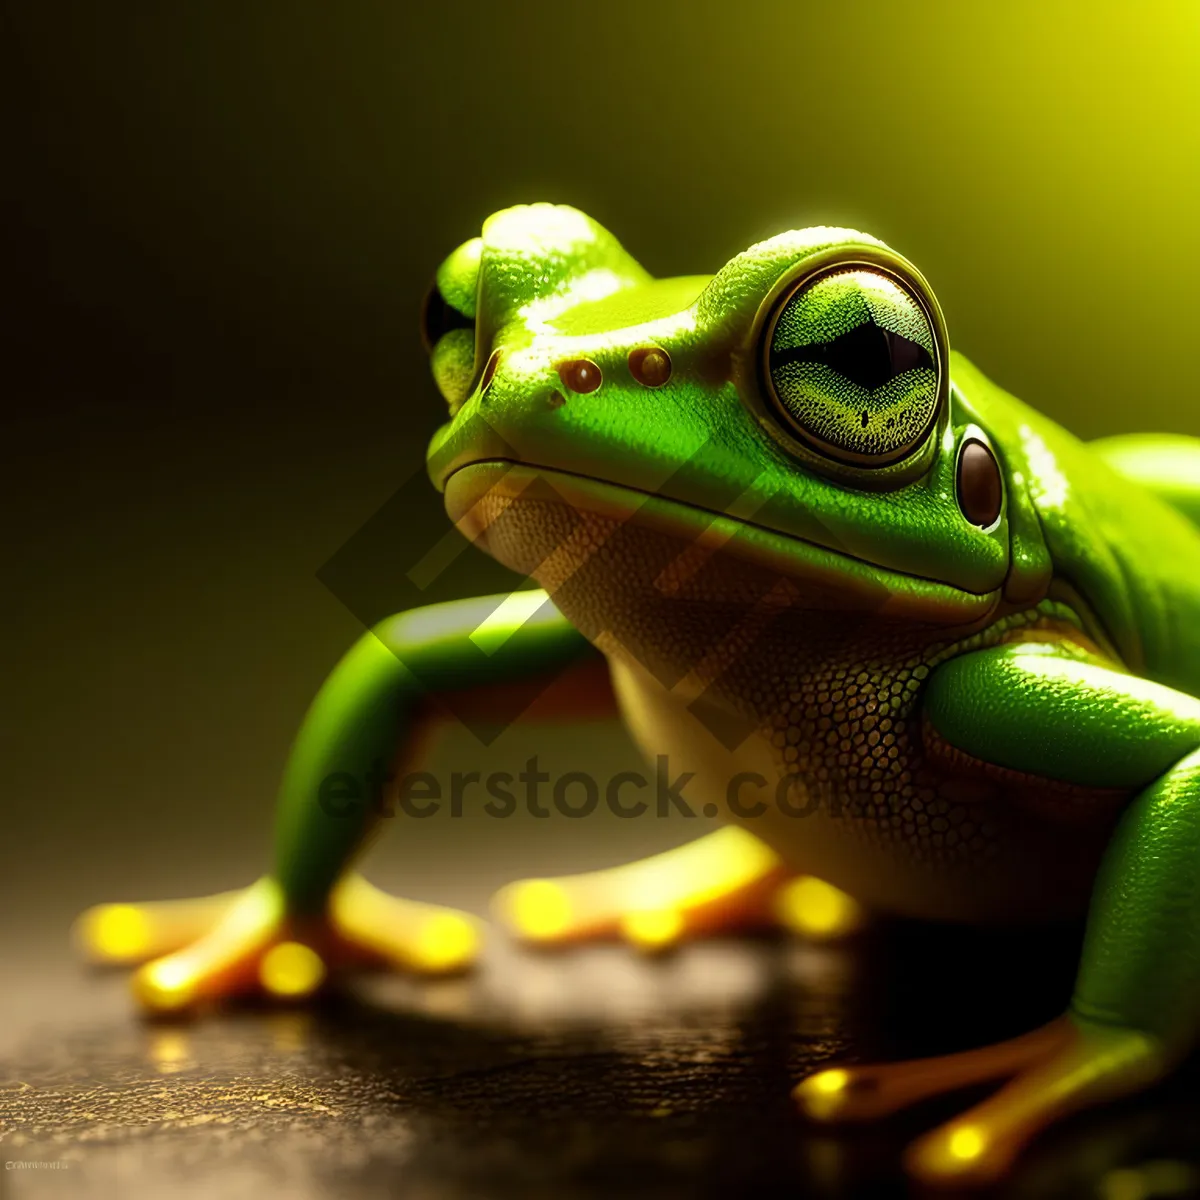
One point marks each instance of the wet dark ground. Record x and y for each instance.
(588, 1074)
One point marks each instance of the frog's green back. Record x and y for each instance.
(1120, 519)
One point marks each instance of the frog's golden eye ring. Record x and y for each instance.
(852, 364)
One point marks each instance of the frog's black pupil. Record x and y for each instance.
(438, 318)
(868, 355)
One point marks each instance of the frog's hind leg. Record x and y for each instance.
(726, 880)
(1135, 1012)
(1136, 1006)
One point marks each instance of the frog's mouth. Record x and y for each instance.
(555, 526)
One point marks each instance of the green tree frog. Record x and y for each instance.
(924, 651)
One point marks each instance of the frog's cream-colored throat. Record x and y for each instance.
(478, 493)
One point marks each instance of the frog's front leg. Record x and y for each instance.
(1136, 1006)
(283, 935)
(726, 881)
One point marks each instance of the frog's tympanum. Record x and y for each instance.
(926, 653)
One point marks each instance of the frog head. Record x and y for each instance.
(783, 432)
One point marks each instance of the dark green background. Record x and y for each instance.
(222, 219)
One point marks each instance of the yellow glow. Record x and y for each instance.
(815, 908)
(119, 931)
(539, 908)
(649, 900)
(257, 909)
(1159, 1177)
(166, 984)
(291, 969)
(450, 999)
(966, 1144)
(1125, 1183)
(169, 1047)
(446, 940)
(170, 1051)
(652, 928)
(821, 1095)
(695, 874)
(830, 1081)
(291, 1029)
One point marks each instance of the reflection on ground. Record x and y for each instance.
(584, 1074)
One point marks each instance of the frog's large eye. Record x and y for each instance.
(851, 361)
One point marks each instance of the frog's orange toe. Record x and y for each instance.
(728, 880)
(1054, 1071)
(246, 948)
(256, 948)
(1091, 1064)
(404, 934)
(816, 909)
(126, 934)
(862, 1093)
(961, 1153)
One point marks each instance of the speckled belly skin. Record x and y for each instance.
(728, 669)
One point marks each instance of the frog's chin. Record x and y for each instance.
(555, 526)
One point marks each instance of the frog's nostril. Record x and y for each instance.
(438, 318)
(650, 366)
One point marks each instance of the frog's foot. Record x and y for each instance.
(246, 943)
(1053, 1071)
(127, 934)
(727, 880)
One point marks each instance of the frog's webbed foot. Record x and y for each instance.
(1052, 1072)
(727, 880)
(246, 943)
